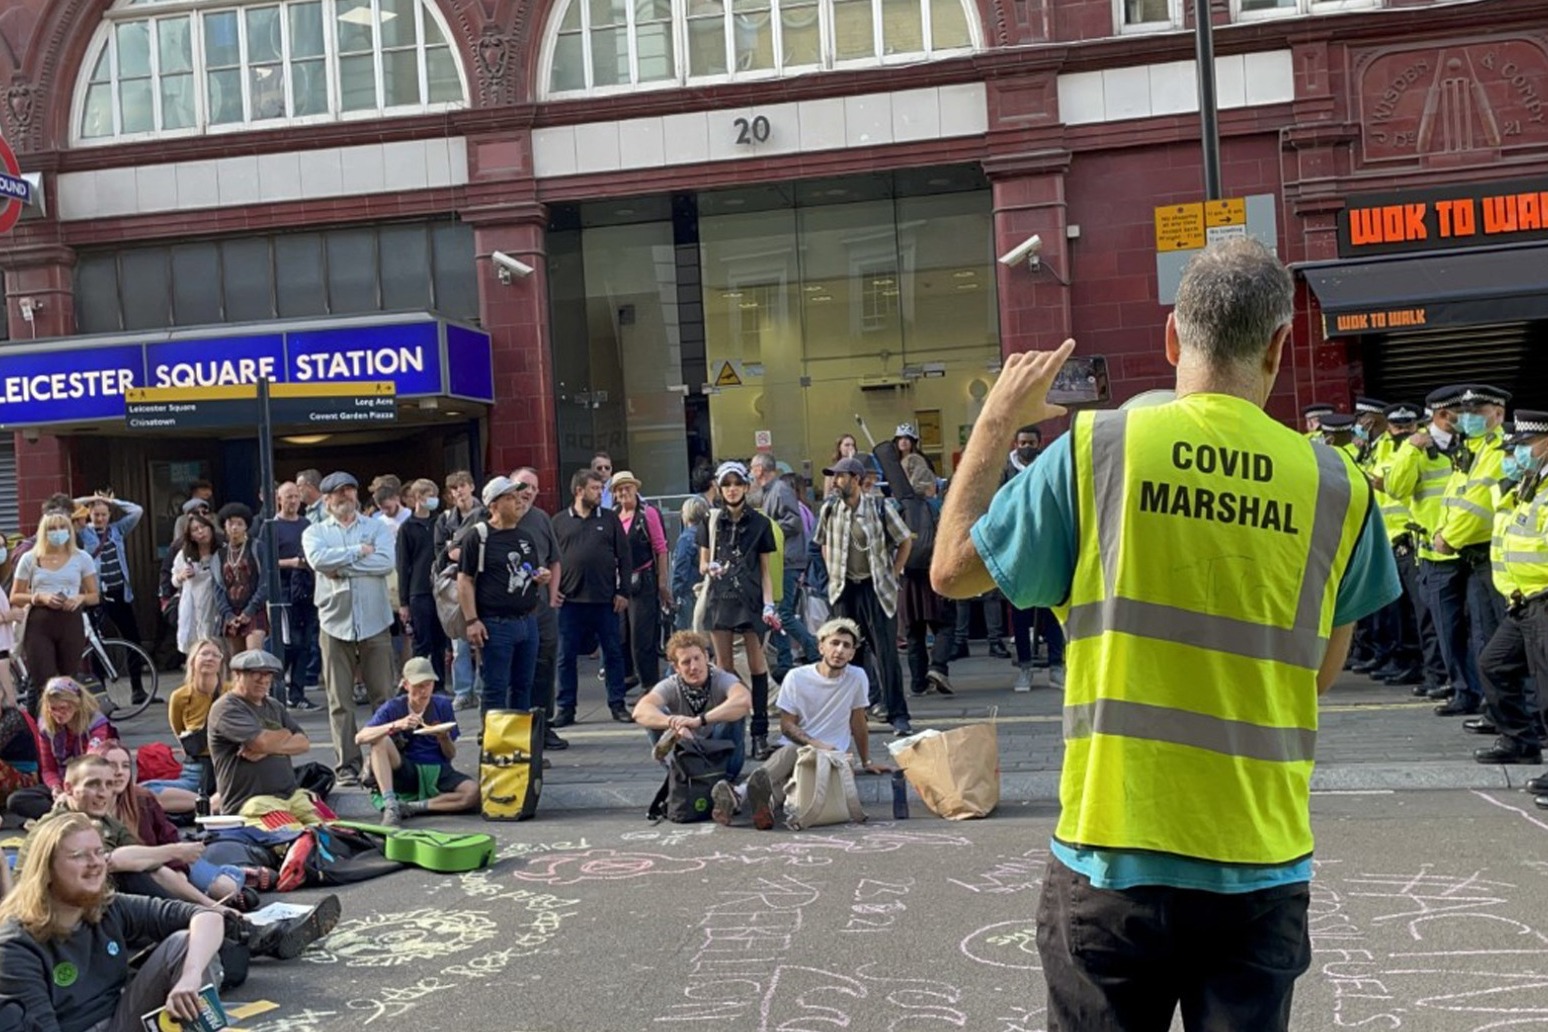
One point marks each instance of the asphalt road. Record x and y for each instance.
(1430, 913)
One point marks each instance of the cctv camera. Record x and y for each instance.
(508, 265)
(1029, 248)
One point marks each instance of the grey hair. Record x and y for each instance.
(1234, 297)
(764, 460)
(695, 509)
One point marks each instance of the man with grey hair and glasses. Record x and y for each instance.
(1208, 565)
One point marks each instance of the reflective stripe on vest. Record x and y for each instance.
(1525, 550)
(1293, 645)
(1164, 724)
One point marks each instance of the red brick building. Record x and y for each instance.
(722, 221)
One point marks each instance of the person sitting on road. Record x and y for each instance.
(413, 771)
(69, 725)
(698, 700)
(823, 705)
(252, 738)
(19, 750)
(188, 714)
(66, 939)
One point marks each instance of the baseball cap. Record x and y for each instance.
(853, 466)
(499, 487)
(419, 670)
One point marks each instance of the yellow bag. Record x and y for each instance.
(956, 773)
(510, 768)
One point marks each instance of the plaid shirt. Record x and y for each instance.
(885, 532)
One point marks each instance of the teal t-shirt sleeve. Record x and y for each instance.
(1027, 538)
(1371, 579)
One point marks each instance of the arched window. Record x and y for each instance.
(183, 67)
(595, 46)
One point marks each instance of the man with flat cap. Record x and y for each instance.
(351, 558)
(1311, 416)
(1418, 477)
(252, 739)
(1519, 561)
(1467, 522)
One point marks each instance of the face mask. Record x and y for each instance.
(1473, 424)
(4, 553)
(1440, 435)
(1509, 468)
(58, 538)
(1524, 459)
(1026, 455)
(1362, 433)
(432, 503)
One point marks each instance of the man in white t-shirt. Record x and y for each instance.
(822, 704)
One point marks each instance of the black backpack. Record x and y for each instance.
(693, 767)
(921, 519)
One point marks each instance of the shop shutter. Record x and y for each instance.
(10, 513)
(1407, 366)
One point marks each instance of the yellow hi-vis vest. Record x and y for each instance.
(1394, 513)
(1504, 509)
(1212, 541)
(1420, 482)
(1526, 546)
(1469, 517)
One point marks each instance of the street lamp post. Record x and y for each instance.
(1209, 118)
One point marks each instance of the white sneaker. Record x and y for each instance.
(1024, 679)
(1056, 677)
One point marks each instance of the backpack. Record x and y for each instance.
(447, 606)
(920, 516)
(510, 765)
(693, 768)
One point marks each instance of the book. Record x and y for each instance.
(212, 1016)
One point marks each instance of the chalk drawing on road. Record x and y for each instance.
(1005, 944)
(1010, 875)
(391, 940)
(605, 865)
(669, 836)
(517, 850)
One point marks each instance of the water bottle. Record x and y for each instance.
(202, 804)
(899, 796)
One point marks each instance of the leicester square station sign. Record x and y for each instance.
(15, 192)
(1444, 218)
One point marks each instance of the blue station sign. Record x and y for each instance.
(79, 380)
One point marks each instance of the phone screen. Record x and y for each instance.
(1082, 381)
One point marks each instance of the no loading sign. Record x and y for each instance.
(15, 192)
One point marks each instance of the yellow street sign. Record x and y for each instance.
(249, 391)
(1179, 227)
(728, 376)
(1230, 212)
(334, 388)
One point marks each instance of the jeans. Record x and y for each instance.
(1447, 583)
(509, 661)
(192, 775)
(202, 874)
(583, 626)
(795, 626)
(994, 617)
(734, 732)
(878, 654)
(429, 637)
(300, 648)
(465, 676)
(1041, 622)
(1124, 960)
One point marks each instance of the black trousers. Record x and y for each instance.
(120, 618)
(879, 652)
(429, 636)
(924, 657)
(548, 657)
(1124, 961)
(1417, 598)
(642, 631)
(1533, 621)
(1503, 666)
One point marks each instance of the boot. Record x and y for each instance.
(286, 939)
(761, 749)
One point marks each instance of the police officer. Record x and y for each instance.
(1525, 555)
(1311, 416)
(1503, 662)
(1417, 649)
(1180, 540)
(1417, 477)
(1468, 601)
(1338, 430)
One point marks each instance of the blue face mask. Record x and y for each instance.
(432, 503)
(1473, 424)
(1525, 460)
(4, 553)
(58, 538)
(1509, 468)
(1362, 433)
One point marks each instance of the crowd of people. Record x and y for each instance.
(1458, 489)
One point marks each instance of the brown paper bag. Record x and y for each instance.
(957, 773)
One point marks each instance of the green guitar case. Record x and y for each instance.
(440, 851)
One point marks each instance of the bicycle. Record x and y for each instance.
(107, 671)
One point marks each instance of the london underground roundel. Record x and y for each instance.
(15, 192)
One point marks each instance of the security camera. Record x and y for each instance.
(1028, 250)
(508, 266)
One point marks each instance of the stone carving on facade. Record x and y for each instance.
(1460, 103)
(20, 99)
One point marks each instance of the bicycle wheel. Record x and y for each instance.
(110, 675)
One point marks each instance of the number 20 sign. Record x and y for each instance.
(752, 130)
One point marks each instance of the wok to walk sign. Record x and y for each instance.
(1444, 218)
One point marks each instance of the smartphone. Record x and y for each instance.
(1082, 381)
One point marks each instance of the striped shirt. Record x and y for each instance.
(883, 532)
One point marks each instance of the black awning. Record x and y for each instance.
(1461, 288)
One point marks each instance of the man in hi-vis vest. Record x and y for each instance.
(1208, 565)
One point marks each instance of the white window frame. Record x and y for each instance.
(680, 34)
(1173, 22)
(105, 40)
(1301, 9)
